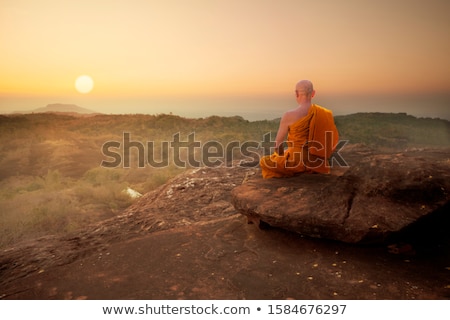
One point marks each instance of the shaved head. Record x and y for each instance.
(305, 89)
(304, 86)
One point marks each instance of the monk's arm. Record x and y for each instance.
(281, 135)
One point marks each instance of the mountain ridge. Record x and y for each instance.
(64, 108)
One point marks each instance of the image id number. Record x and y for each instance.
(307, 309)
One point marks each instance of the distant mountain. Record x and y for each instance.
(60, 107)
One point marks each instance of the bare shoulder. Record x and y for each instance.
(291, 116)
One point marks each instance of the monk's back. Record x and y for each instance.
(308, 122)
(298, 129)
(294, 115)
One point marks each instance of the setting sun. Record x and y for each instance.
(84, 84)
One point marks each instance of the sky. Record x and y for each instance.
(206, 56)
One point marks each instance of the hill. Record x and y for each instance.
(395, 131)
(52, 180)
(68, 229)
(63, 108)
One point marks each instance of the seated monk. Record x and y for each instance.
(311, 138)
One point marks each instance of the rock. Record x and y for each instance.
(185, 240)
(132, 193)
(195, 196)
(376, 196)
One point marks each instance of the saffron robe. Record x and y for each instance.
(311, 141)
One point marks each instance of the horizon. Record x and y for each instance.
(204, 57)
(259, 108)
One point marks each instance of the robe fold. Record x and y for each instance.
(311, 141)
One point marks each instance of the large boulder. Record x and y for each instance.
(375, 196)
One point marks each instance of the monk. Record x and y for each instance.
(311, 138)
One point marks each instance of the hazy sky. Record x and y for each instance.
(144, 50)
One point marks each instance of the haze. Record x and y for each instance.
(198, 58)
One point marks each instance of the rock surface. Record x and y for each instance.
(374, 197)
(185, 240)
(198, 195)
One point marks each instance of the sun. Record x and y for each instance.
(84, 84)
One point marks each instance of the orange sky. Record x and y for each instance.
(144, 49)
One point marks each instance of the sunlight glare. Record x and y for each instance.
(84, 84)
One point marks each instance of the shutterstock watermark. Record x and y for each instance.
(187, 152)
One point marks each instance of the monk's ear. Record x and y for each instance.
(313, 93)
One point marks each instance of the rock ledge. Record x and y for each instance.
(376, 196)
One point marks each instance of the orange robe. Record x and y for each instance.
(311, 141)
